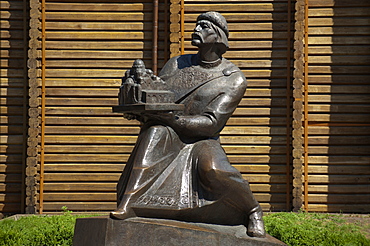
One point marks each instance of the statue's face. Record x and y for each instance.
(203, 33)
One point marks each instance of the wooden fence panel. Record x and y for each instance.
(89, 45)
(13, 96)
(338, 106)
(255, 138)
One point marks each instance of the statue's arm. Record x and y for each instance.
(215, 114)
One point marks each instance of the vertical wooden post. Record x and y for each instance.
(34, 108)
(182, 27)
(43, 66)
(25, 104)
(297, 132)
(166, 31)
(288, 118)
(306, 105)
(175, 28)
(155, 37)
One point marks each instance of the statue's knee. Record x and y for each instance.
(157, 129)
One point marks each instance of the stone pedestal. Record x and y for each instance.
(104, 231)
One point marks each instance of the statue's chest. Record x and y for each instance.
(187, 78)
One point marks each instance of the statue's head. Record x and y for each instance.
(211, 28)
(138, 69)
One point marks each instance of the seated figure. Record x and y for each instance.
(178, 169)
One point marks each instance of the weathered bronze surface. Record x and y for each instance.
(178, 169)
(103, 231)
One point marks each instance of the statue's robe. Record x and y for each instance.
(179, 170)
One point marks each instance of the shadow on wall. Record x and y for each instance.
(339, 81)
(14, 100)
(281, 106)
(263, 119)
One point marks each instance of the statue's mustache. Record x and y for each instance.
(196, 35)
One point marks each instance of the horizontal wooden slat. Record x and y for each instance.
(339, 60)
(341, 3)
(333, 21)
(83, 92)
(75, 187)
(338, 79)
(339, 160)
(80, 120)
(252, 140)
(78, 177)
(10, 178)
(339, 30)
(240, 7)
(339, 150)
(257, 121)
(339, 179)
(263, 197)
(11, 139)
(270, 188)
(9, 168)
(271, 169)
(338, 199)
(98, 16)
(70, 196)
(103, 26)
(339, 12)
(340, 118)
(86, 167)
(336, 53)
(333, 189)
(10, 198)
(339, 130)
(339, 89)
(80, 206)
(10, 188)
(81, 130)
(265, 178)
(340, 69)
(339, 108)
(339, 98)
(344, 208)
(96, 45)
(11, 158)
(106, 111)
(82, 158)
(344, 40)
(341, 169)
(97, 7)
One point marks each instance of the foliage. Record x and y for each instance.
(294, 229)
(38, 230)
(314, 229)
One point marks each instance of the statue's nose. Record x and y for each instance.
(197, 28)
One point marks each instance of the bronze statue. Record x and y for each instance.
(178, 169)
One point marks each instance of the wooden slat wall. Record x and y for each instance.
(339, 106)
(14, 18)
(255, 137)
(89, 46)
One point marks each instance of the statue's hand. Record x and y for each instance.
(166, 118)
(130, 116)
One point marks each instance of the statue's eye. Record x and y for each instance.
(205, 25)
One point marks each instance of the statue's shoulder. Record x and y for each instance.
(231, 70)
(176, 63)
